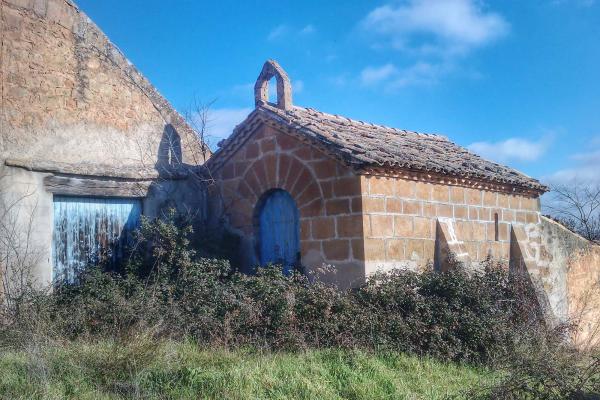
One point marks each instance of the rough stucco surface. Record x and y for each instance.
(72, 107)
(572, 280)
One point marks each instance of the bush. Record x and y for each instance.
(167, 290)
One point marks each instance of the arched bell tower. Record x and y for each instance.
(284, 88)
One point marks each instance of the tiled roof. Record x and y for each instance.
(367, 146)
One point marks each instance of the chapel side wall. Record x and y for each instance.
(326, 193)
(401, 220)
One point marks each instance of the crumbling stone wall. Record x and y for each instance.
(570, 274)
(326, 193)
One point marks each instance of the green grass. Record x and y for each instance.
(149, 370)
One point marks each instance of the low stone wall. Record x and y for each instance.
(573, 279)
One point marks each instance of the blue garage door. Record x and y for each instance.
(88, 231)
(279, 230)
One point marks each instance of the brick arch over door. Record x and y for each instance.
(282, 171)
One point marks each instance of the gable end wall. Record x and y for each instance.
(328, 196)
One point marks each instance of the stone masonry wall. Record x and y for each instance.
(69, 99)
(403, 218)
(69, 95)
(326, 193)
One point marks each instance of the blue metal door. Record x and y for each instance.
(89, 231)
(279, 230)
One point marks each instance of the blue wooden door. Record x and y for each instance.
(279, 230)
(89, 231)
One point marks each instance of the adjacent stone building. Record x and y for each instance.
(364, 197)
(87, 144)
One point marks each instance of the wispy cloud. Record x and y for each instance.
(420, 73)
(577, 3)
(436, 27)
(374, 75)
(585, 166)
(513, 149)
(307, 30)
(278, 32)
(298, 86)
(435, 35)
(283, 30)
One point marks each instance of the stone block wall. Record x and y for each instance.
(327, 194)
(403, 219)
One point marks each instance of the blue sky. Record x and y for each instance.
(517, 81)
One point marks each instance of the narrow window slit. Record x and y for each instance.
(496, 227)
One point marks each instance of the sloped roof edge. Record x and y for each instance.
(311, 126)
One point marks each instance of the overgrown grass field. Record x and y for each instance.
(172, 370)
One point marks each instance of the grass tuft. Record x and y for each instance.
(147, 369)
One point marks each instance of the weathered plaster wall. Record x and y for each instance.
(572, 279)
(68, 96)
(326, 193)
(403, 219)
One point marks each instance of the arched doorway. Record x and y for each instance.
(278, 230)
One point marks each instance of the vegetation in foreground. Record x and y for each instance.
(168, 294)
(147, 370)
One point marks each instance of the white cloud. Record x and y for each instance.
(585, 168)
(419, 74)
(307, 30)
(373, 75)
(578, 3)
(221, 122)
(278, 32)
(581, 174)
(283, 30)
(297, 86)
(513, 149)
(434, 26)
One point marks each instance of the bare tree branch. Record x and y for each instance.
(578, 207)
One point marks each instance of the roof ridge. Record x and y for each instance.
(359, 140)
(358, 121)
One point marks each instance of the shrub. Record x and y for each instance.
(167, 290)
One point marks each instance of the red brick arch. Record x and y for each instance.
(283, 171)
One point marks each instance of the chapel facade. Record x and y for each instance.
(307, 189)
